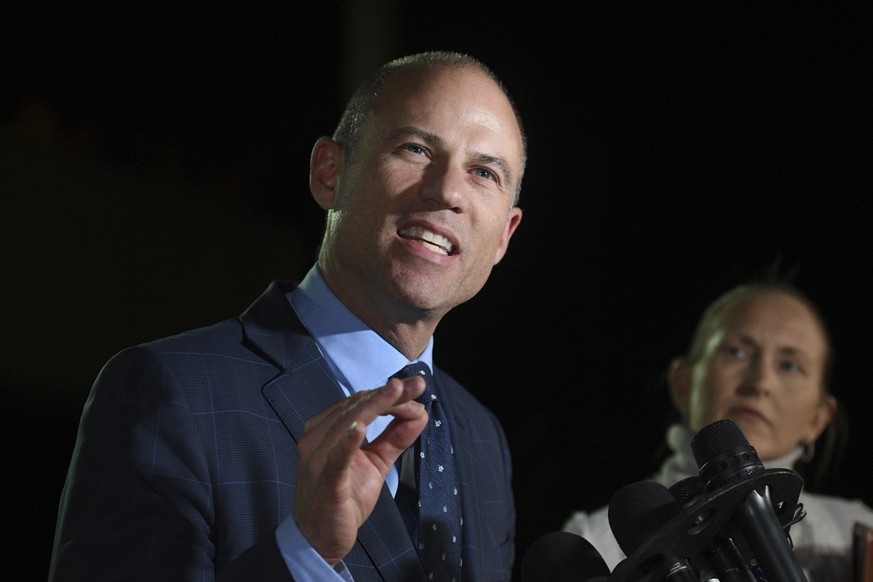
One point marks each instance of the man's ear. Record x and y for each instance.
(679, 383)
(324, 169)
(511, 225)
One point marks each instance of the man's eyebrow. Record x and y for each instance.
(433, 139)
(411, 130)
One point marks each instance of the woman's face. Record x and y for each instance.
(762, 367)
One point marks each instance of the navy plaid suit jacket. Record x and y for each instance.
(185, 462)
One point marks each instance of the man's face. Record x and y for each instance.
(425, 211)
(763, 368)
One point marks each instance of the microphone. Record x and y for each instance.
(636, 513)
(688, 490)
(560, 556)
(726, 460)
(722, 554)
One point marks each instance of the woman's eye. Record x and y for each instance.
(734, 351)
(789, 366)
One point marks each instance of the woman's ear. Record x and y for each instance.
(824, 414)
(324, 169)
(679, 384)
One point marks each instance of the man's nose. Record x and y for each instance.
(445, 184)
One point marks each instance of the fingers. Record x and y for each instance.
(366, 405)
(338, 481)
(340, 428)
(399, 435)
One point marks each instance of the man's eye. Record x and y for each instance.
(416, 149)
(485, 173)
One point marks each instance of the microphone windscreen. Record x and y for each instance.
(687, 490)
(714, 439)
(559, 556)
(638, 510)
(723, 454)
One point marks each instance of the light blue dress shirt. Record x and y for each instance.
(361, 360)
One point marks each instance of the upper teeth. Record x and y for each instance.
(439, 243)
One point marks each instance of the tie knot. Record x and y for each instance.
(419, 369)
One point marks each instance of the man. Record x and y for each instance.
(266, 447)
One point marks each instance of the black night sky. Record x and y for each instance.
(153, 167)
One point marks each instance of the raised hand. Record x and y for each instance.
(338, 480)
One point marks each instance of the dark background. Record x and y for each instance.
(153, 173)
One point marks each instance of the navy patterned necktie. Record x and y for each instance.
(439, 497)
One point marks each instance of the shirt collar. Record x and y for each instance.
(359, 357)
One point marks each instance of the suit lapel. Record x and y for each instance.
(386, 541)
(303, 387)
(273, 329)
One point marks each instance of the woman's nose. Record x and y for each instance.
(759, 376)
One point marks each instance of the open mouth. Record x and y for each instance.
(433, 241)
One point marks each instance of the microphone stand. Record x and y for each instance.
(689, 532)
